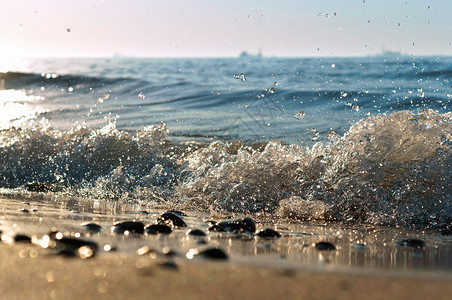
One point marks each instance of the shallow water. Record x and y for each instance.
(360, 145)
(360, 248)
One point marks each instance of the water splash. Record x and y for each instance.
(392, 170)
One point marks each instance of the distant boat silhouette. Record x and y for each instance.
(245, 54)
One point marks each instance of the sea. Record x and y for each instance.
(363, 142)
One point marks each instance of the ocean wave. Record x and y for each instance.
(386, 170)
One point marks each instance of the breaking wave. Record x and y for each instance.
(386, 169)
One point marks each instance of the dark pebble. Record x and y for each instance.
(24, 210)
(130, 226)
(66, 253)
(268, 233)
(157, 229)
(170, 265)
(172, 219)
(73, 247)
(40, 187)
(74, 243)
(216, 228)
(325, 246)
(93, 227)
(415, 243)
(246, 224)
(196, 232)
(177, 212)
(143, 212)
(213, 253)
(21, 238)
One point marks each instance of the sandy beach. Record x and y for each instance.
(29, 273)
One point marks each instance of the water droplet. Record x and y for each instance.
(332, 135)
(349, 104)
(240, 76)
(275, 83)
(299, 115)
(68, 30)
(272, 90)
(343, 94)
(333, 66)
(355, 107)
(315, 137)
(422, 95)
(368, 113)
(70, 89)
(141, 96)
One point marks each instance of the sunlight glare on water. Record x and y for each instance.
(16, 105)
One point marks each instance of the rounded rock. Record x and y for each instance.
(157, 229)
(196, 233)
(268, 233)
(213, 253)
(92, 227)
(130, 226)
(172, 219)
(22, 238)
(415, 243)
(177, 212)
(325, 246)
(245, 224)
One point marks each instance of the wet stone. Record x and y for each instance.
(74, 243)
(157, 229)
(66, 253)
(92, 227)
(172, 219)
(268, 233)
(415, 243)
(196, 232)
(169, 265)
(213, 253)
(129, 226)
(245, 224)
(40, 187)
(325, 246)
(216, 228)
(22, 238)
(74, 247)
(177, 212)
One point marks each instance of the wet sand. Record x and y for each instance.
(31, 272)
(28, 274)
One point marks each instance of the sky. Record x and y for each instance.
(214, 28)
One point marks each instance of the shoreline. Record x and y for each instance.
(28, 273)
